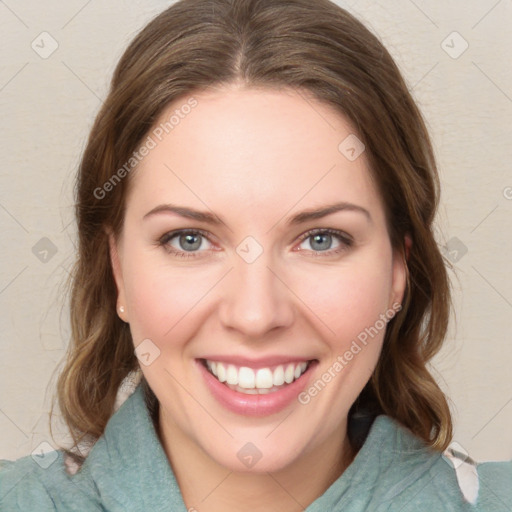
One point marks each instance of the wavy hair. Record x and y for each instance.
(311, 46)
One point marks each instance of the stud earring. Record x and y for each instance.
(121, 309)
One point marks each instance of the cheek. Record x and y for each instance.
(162, 299)
(349, 298)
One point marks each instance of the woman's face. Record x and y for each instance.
(263, 283)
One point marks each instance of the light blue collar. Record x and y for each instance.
(131, 472)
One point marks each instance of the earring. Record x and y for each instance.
(121, 309)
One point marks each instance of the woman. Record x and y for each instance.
(257, 282)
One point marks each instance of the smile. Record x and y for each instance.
(252, 381)
(255, 388)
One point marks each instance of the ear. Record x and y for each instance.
(407, 246)
(118, 275)
(400, 271)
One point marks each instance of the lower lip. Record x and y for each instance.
(255, 405)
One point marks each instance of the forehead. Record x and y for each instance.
(251, 149)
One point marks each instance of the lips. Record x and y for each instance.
(255, 400)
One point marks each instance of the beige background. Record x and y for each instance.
(48, 106)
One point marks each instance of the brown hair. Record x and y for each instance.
(310, 46)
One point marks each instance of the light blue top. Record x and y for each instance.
(127, 470)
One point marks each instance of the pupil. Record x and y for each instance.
(319, 238)
(189, 238)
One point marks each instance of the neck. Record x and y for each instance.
(207, 486)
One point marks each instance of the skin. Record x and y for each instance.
(255, 157)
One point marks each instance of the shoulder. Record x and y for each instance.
(52, 481)
(495, 482)
(40, 482)
(22, 486)
(486, 485)
(419, 478)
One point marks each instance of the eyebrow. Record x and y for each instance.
(299, 218)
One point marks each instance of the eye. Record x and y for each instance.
(320, 241)
(184, 243)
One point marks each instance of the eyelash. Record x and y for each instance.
(345, 240)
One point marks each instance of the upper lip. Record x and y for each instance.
(260, 362)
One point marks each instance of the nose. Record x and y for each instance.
(255, 299)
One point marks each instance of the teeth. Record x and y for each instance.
(278, 377)
(249, 391)
(254, 391)
(289, 373)
(246, 378)
(221, 372)
(300, 369)
(232, 375)
(264, 379)
(261, 381)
